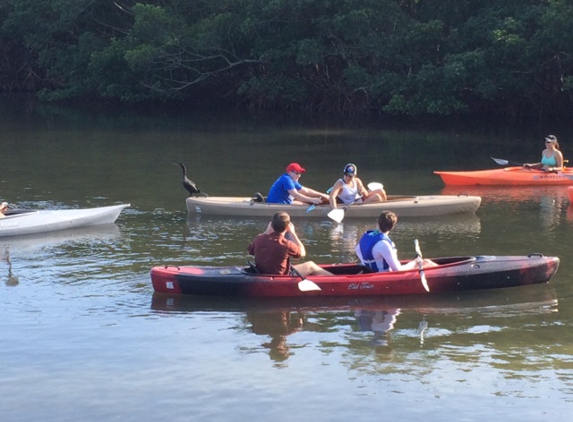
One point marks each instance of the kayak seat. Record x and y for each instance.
(252, 268)
(349, 270)
(18, 212)
(258, 197)
(366, 270)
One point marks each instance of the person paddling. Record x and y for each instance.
(288, 190)
(350, 189)
(551, 157)
(377, 251)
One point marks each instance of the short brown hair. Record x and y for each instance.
(280, 221)
(387, 220)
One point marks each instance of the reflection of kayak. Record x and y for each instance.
(26, 221)
(452, 274)
(533, 300)
(43, 240)
(515, 194)
(507, 176)
(403, 206)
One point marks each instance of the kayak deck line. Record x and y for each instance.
(452, 274)
(402, 205)
(25, 221)
(507, 176)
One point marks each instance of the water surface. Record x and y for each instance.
(85, 337)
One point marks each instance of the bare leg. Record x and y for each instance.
(377, 195)
(413, 264)
(310, 268)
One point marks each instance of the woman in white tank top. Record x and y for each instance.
(350, 189)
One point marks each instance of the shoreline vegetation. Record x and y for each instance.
(330, 57)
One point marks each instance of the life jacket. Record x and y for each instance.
(367, 242)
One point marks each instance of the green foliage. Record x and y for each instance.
(436, 57)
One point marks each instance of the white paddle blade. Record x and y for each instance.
(308, 286)
(424, 281)
(417, 248)
(420, 268)
(375, 186)
(500, 161)
(336, 214)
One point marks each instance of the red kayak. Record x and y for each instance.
(452, 274)
(507, 176)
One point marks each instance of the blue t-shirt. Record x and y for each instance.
(279, 190)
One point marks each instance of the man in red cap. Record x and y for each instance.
(287, 189)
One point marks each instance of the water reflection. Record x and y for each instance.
(324, 239)
(368, 324)
(349, 231)
(380, 322)
(38, 250)
(44, 240)
(552, 201)
(492, 194)
(11, 280)
(277, 325)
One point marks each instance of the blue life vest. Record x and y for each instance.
(367, 242)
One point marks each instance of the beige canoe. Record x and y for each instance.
(403, 206)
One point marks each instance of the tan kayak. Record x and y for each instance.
(403, 206)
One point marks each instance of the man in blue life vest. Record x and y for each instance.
(377, 251)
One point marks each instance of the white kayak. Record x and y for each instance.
(403, 206)
(25, 221)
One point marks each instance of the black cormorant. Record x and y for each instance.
(189, 185)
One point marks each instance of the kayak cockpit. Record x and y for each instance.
(18, 212)
(356, 268)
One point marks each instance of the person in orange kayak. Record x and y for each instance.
(350, 189)
(551, 157)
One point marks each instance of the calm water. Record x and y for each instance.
(86, 339)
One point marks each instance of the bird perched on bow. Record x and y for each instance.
(189, 185)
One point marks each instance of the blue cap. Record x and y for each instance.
(350, 169)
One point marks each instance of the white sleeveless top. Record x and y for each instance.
(348, 194)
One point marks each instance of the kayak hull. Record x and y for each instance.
(507, 176)
(403, 206)
(25, 222)
(453, 274)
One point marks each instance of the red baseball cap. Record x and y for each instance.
(295, 167)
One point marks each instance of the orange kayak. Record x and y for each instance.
(507, 176)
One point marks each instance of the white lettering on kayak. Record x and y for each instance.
(360, 286)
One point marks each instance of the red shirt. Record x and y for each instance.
(272, 253)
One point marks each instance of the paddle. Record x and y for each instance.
(503, 162)
(337, 214)
(305, 285)
(313, 206)
(420, 268)
(375, 186)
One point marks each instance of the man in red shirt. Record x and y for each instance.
(274, 248)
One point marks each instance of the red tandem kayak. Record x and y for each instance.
(452, 274)
(507, 176)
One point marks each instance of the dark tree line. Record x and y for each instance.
(409, 57)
